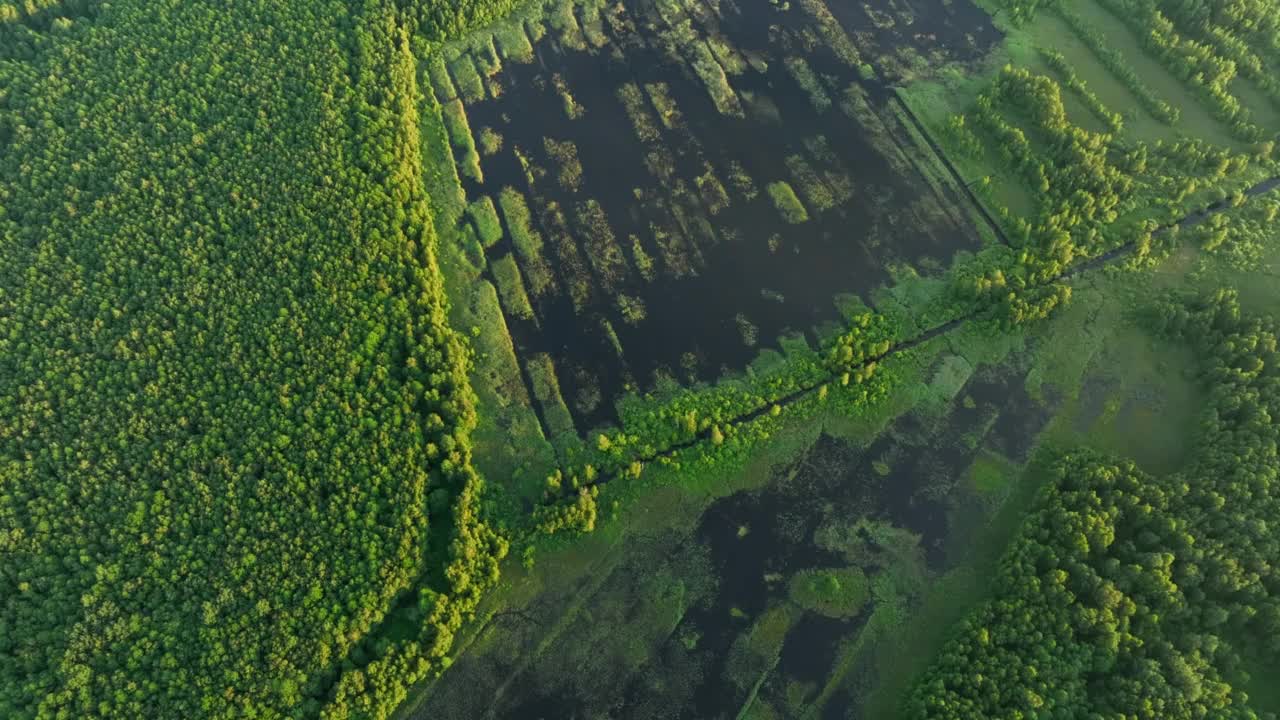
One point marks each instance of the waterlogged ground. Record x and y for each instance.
(770, 605)
(700, 178)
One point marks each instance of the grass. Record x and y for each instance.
(991, 474)
(510, 449)
(448, 199)
(511, 287)
(918, 637)
(602, 248)
(490, 141)
(593, 26)
(542, 373)
(565, 155)
(833, 592)
(1196, 120)
(1142, 401)
(1262, 688)
(464, 144)
(647, 503)
(788, 205)
(441, 83)
(569, 33)
(668, 112)
(467, 78)
(936, 101)
(485, 55)
(641, 259)
(527, 241)
(632, 99)
(513, 43)
(485, 218)
(714, 197)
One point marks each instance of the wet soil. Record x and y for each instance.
(728, 281)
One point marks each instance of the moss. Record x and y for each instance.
(788, 205)
(834, 592)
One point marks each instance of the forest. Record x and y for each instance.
(371, 359)
(235, 417)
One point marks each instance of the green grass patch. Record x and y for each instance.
(991, 474)
(441, 83)
(485, 217)
(490, 141)
(467, 79)
(463, 142)
(916, 637)
(833, 592)
(448, 199)
(542, 373)
(788, 204)
(511, 287)
(513, 43)
(714, 79)
(816, 192)
(527, 241)
(510, 450)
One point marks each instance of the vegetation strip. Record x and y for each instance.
(916, 341)
(977, 203)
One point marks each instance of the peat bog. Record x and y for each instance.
(703, 624)
(645, 141)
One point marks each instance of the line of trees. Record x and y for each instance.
(1204, 44)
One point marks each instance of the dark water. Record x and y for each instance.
(700, 319)
(613, 659)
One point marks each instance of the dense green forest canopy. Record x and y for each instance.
(233, 418)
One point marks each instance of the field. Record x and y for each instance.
(734, 359)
